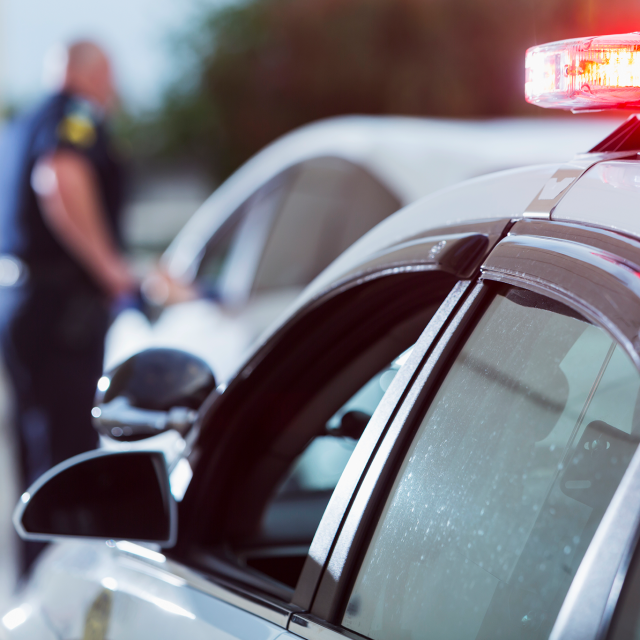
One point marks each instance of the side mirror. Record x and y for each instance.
(151, 392)
(122, 496)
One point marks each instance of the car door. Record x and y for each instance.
(130, 592)
(271, 449)
(503, 499)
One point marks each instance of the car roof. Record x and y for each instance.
(411, 156)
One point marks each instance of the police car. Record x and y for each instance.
(286, 214)
(465, 380)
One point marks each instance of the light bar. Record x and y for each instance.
(585, 74)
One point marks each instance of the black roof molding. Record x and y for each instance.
(625, 138)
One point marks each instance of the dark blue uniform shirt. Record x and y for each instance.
(60, 122)
(54, 320)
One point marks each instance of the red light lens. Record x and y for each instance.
(585, 73)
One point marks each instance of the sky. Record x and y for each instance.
(134, 32)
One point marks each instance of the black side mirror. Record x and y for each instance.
(151, 392)
(121, 496)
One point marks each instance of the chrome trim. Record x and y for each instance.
(27, 496)
(587, 603)
(309, 627)
(360, 458)
(552, 191)
(259, 605)
(148, 552)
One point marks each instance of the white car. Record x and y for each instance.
(267, 231)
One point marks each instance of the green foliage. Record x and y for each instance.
(260, 68)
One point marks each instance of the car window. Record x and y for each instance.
(215, 257)
(294, 512)
(289, 230)
(312, 393)
(231, 256)
(331, 204)
(507, 478)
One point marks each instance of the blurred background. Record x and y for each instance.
(207, 83)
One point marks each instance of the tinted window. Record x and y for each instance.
(231, 257)
(296, 508)
(215, 256)
(331, 204)
(505, 483)
(315, 378)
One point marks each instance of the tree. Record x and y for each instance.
(263, 67)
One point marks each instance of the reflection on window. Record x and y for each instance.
(231, 257)
(215, 257)
(332, 203)
(298, 505)
(293, 514)
(321, 464)
(506, 481)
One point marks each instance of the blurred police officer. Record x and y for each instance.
(60, 261)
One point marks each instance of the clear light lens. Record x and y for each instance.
(585, 73)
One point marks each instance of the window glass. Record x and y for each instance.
(319, 467)
(231, 257)
(331, 204)
(505, 483)
(312, 396)
(215, 257)
(314, 474)
(321, 464)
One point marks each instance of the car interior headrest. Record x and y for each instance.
(352, 425)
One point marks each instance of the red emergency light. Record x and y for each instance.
(585, 74)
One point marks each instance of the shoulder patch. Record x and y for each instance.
(77, 129)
